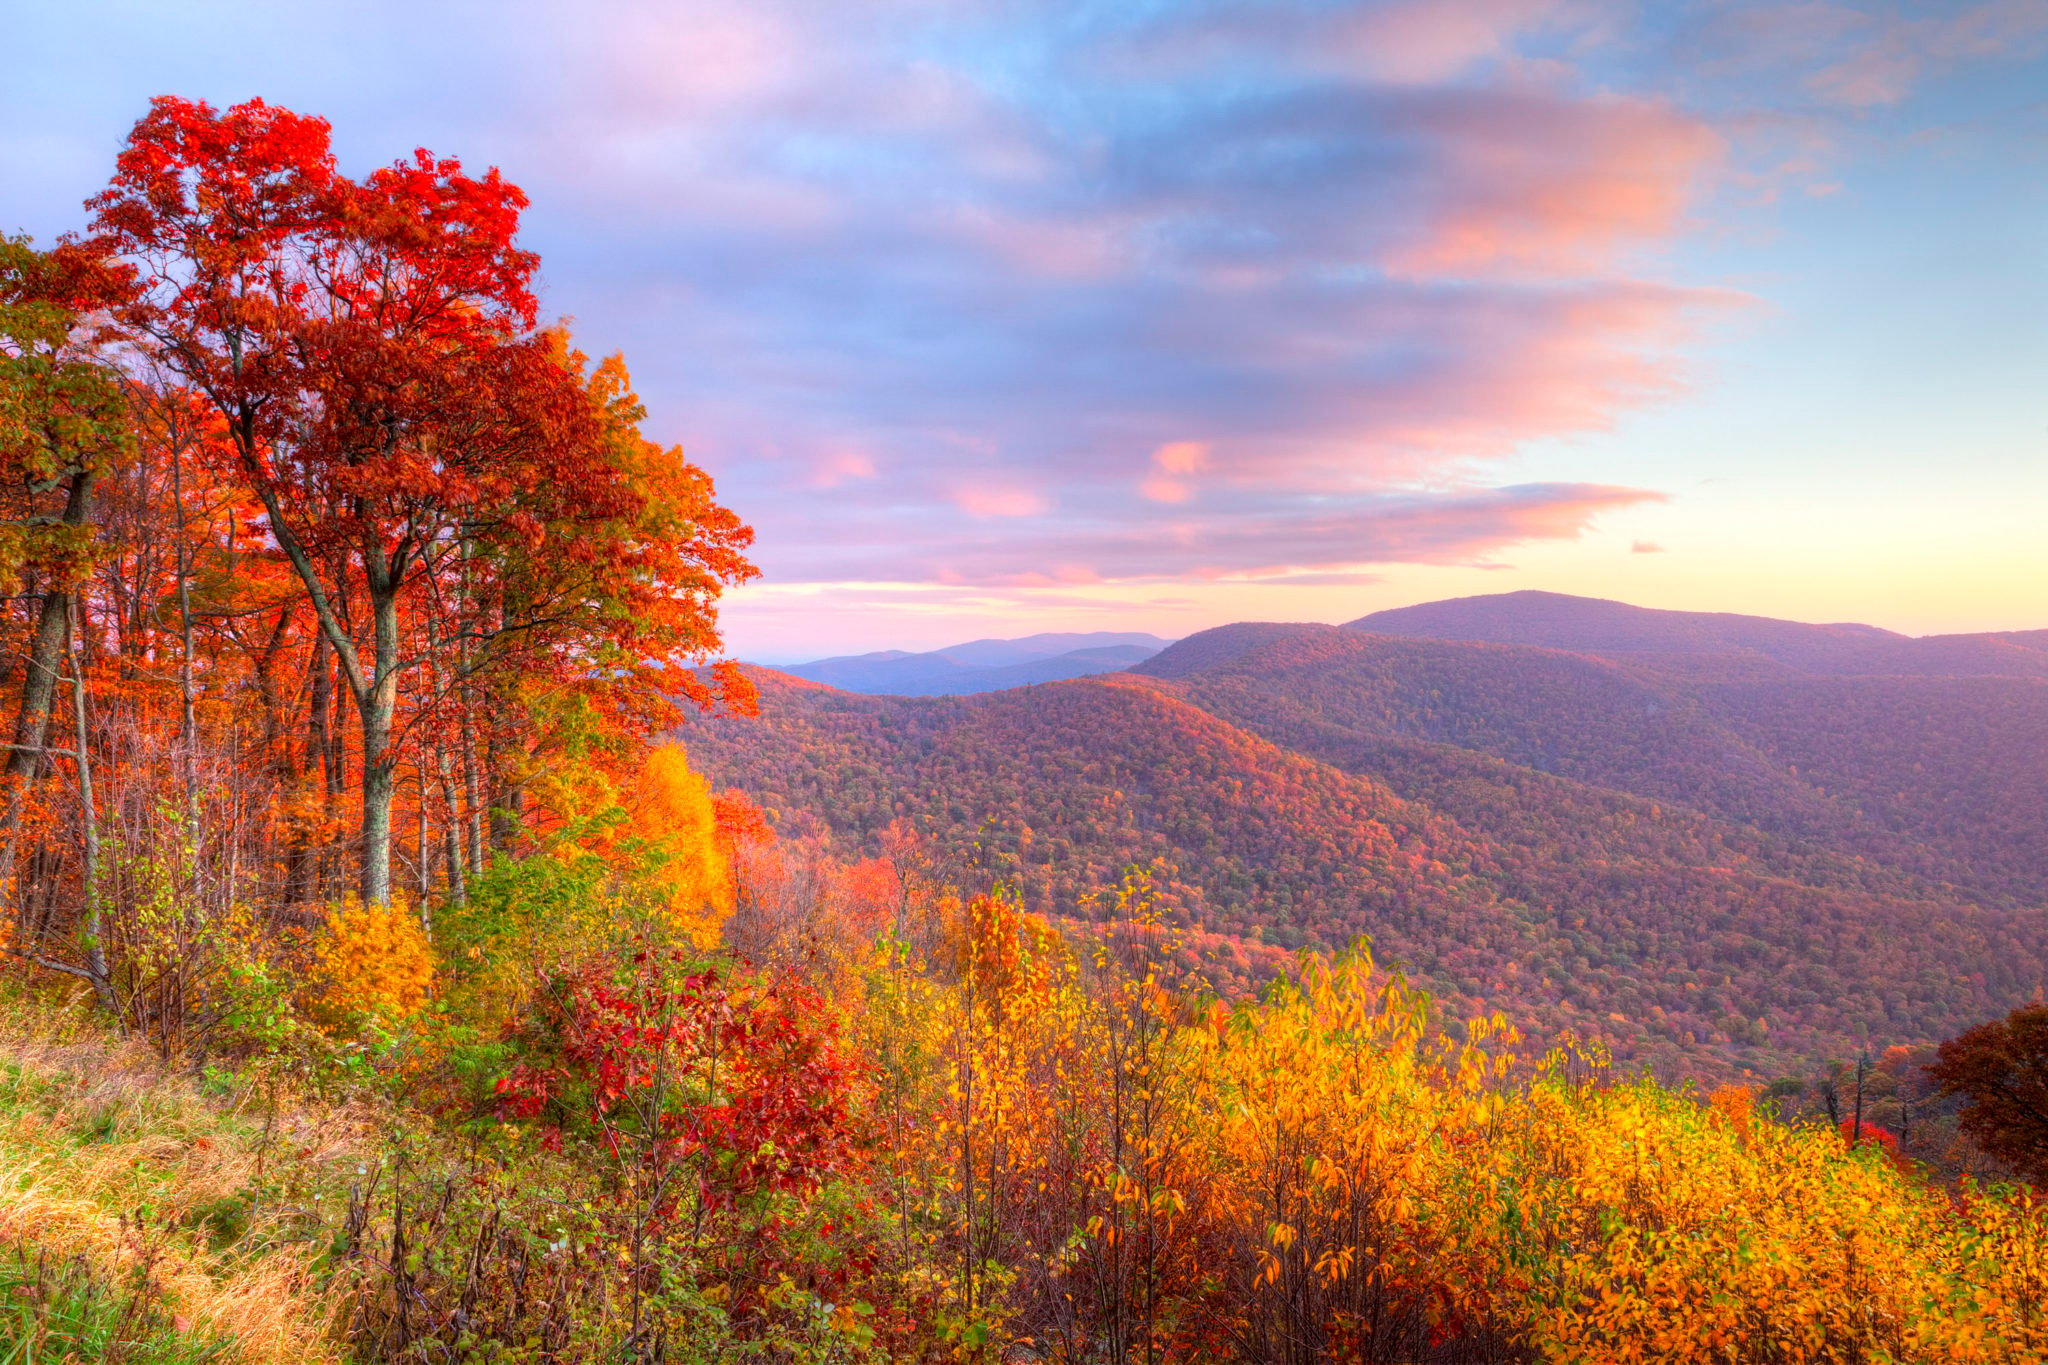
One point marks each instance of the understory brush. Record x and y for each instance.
(967, 1138)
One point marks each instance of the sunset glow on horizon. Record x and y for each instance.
(998, 319)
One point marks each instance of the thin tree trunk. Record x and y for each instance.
(425, 848)
(90, 928)
(472, 793)
(504, 818)
(334, 765)
(39, 686)
(188, 722)
(376, 704)
(458, 886)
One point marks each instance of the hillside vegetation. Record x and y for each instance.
(969, 1141)
(1709, 875)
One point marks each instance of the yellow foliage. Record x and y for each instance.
(670, 811)
(1321, 1168)
(1666, 1233)
(372, 960)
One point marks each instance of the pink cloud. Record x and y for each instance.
(1319, 580)
(1861, 56)
(842, 466)
(1545, 185)
(1076, 249)
(1423, 41)
(989, 502)
(1172, 463)
(1879, 74)
(1271, 537)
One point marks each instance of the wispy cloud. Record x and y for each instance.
(1862, 55)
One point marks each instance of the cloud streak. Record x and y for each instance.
(1267, 537)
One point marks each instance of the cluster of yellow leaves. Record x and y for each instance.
(1323, 1175)
(372, 960)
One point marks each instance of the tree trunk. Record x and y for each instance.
(188, 720)
(378, 788)
(39, 685)
(92, 926)
(335, 766)
(424, 844)
(375, 706)
(458, 886)
(301, 859)
(472, 793)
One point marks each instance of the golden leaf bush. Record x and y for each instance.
(373, 961)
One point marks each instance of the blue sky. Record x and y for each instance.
(999, 317)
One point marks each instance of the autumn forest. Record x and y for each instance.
(424, 943)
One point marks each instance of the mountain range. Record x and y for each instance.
(982, 665)
(1718, 843)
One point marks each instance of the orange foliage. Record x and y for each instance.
(372, 960)
(741, 823)
(670, 809)
(1735, 1103)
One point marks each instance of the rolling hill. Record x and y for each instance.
(1941, 778)
(1734, 853)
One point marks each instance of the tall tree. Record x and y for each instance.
(418, 447)
(63, 420)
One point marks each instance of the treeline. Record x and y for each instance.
(335, 569)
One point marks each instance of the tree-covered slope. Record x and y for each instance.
(1682, 937)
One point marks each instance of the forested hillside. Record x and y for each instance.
(1708, 873)
(1887, 768)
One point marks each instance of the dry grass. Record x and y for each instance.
(108, 1155)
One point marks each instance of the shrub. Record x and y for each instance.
(371, 961)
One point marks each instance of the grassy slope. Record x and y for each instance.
(117, 1166)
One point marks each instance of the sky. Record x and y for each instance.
(996, 317)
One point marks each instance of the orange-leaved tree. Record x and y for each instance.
(453, 492)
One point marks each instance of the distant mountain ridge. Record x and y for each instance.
(1596, 626)
(982, 665)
